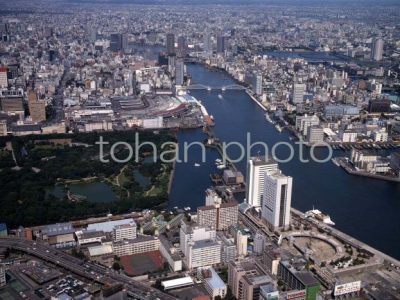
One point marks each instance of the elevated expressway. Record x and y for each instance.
(88, 270)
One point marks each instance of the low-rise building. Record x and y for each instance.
(124, 232)
(88, 237)
(315, 135)
(245, 279)
(203, 253)
(59, 235)
(347, 136)
(298, 279)
(213, 284)
(171, 254)
(143, 243)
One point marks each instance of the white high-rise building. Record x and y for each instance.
(199, 245)
(124, 232)
(192, 232)
(277, 200)
(256, 168)
(241, 243)
(298, 92)
(203, 254)
(377, 49)
(258, 84)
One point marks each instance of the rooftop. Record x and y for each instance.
(215, 282)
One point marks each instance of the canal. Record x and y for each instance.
(365, 208)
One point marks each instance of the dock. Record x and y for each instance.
(342, 162)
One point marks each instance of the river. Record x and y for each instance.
(365, 208)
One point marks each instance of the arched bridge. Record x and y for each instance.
(210, 88)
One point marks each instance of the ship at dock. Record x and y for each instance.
(268, 118)
(318, 215)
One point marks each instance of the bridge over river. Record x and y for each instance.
(210, 88)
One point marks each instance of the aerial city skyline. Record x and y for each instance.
(219, 149)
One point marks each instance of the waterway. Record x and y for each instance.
(365, 208)
(98, 192)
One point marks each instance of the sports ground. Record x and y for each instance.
(142, 263)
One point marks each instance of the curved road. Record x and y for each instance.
(87, 270)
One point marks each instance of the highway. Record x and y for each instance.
(84, 269)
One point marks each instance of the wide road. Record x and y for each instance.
(79, 267)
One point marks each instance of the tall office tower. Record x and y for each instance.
(182, 46)
(179, 72)
(171, 63)
(207, 46)
(220, 44)
(256, 167)
(116, 42)
(4, 28)
(124, 232)
(277, 200)
(3, 77)
(52, 55)
(124, 42)
(170, 43)
(298, 92)
(377, 49)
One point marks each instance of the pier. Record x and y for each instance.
(343, 163)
